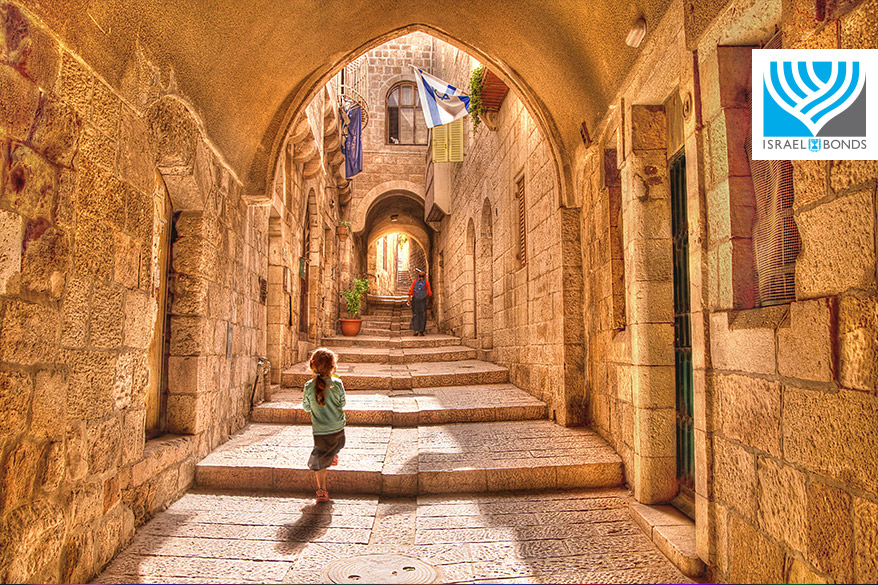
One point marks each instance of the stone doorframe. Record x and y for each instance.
(196, 189)
(649, 289)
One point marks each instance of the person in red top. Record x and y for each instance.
(418, 293)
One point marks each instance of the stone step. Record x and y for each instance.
(390, 320)
(387, 302)
(368, 376)
(385, 340)
(454, 404)
(400, 329)
(386, 355)
(453, 458)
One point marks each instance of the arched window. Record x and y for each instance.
(405, 122)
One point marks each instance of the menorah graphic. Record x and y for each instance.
(814, 92)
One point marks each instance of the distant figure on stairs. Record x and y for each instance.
(418, 293)
(324, 398)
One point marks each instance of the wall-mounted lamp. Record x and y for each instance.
(636, 34)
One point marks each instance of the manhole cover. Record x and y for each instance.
(380, 569)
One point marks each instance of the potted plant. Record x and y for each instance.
(353, 297)
(475, 96)
(342, 229)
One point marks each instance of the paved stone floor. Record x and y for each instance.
(583, 536)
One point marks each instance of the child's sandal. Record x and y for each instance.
(322, 496)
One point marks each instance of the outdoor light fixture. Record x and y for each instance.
(636, 34)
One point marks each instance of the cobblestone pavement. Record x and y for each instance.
(584, 536)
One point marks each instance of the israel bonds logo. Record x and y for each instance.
(812, 104)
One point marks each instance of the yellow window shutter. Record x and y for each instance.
(440, 144)
(455, 141)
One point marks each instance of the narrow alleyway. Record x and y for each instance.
(425, 419)
(652, 351)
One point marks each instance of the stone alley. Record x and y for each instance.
(639, 349)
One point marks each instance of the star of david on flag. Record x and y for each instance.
(440, 102)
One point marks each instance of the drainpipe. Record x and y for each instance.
(263, 369)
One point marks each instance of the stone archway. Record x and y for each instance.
(360, 208)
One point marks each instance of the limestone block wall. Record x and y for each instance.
(511, 310)
(383, 266)
(791, 409)
(784, 396)
(306, 258)
(387, 168)
(389, 64)
(86, 169)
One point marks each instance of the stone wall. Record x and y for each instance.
(627, 255)
(792, 405)
(384, 270)
(785, 397)
(513, 311)
(86, 176)
(300, 206)
(389, 64)
(388, 169)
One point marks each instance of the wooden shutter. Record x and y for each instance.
(448, 142)
(522, 225)
(440, 144)
(455, 141)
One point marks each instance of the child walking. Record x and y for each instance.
(324, 398)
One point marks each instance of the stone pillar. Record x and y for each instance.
(649, 279)
(278, 318)
(573, 407)
(192, 362)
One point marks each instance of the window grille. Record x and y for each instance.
(522, 225)
(405, 123)
(776, 242)
(354, 78)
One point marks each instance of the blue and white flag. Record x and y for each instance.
(353, 145)
(441, 103)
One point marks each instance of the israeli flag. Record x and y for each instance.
(440, 102)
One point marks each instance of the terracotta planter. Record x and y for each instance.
(493, 92)
(350, 327)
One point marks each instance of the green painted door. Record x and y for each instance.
(682, 326)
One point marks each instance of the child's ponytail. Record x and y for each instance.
(320, 389)
(323, 362)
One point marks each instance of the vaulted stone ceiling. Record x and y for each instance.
(248, 65)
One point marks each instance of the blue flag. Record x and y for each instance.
(353, 145)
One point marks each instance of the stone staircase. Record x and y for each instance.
(390, 315)
(423, 416)
(403, 282)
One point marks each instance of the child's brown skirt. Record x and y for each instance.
(326, 447)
